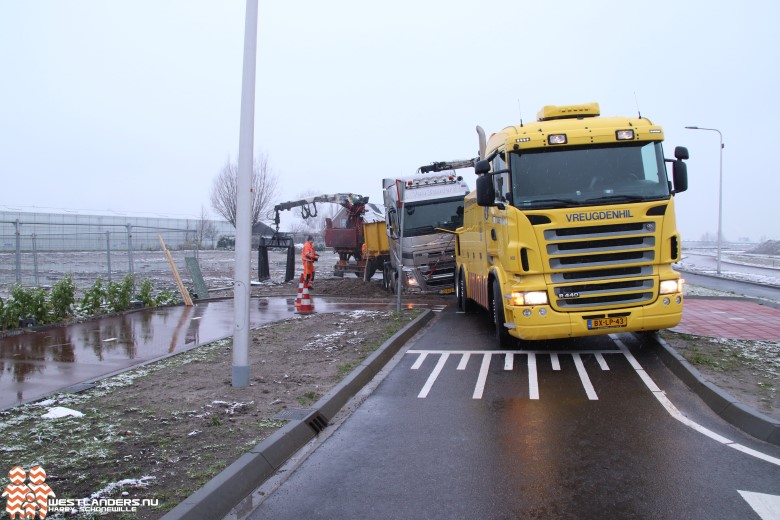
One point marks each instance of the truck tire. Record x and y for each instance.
(385, 277)
(370, 270)
(464, 303)
(503, 339)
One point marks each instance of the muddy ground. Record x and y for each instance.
(748, 370)
(161, 431)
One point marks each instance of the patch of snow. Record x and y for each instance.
(232, 408)
(59, 412)
(128, 482)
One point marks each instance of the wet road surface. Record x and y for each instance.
(584, 428)
(35, 364)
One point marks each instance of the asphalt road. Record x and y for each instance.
(708, 261)
(739, 288)
(592, 428)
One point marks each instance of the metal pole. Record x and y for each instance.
(243, 262)
(720, 192)
(18, 253)
(720, 200)
(35, 260)
(108, 254)
(130, 248)
(400, 284)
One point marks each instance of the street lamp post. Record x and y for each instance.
(720, 188)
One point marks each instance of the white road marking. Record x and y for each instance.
(509, 361)
(419, 362)
(602, 362)
(649, 383)
(590, 391)
(533, 381)
(756, 454)
(586, 384)
(109, 339)
(765, 506)
(483, 372)
(432, 378)
(674, 412)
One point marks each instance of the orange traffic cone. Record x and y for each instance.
(300, 292)
(307, 304)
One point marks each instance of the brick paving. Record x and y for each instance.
(730, 318)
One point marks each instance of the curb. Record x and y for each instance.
(745, 418)
(219, 495)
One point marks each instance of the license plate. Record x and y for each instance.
(608, 323)
(451, 290)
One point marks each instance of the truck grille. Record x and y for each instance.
(437, 268)
(599, 267)
(442, 276)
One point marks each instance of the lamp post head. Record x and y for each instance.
(692, 127)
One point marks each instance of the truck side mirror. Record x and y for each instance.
(680, 174)
(481, 167)
(681, 153)
(486, 192)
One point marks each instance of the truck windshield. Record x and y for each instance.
(580, 176)
(423, 218)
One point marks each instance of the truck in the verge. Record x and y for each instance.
(571, 229)
(429, 206)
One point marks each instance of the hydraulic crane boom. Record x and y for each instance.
(447, 165)
(309, 205)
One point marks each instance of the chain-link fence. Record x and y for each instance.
(39, 249)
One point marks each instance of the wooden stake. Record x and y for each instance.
(185, 295)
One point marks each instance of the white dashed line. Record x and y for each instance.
(432, 378)
(533, 384)
(586, 384)
(533, 381)
(483, 372)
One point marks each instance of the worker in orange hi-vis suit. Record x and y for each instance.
(309, 256)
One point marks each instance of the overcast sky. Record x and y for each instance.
(133, 107)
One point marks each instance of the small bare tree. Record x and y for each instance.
(206, 228)
(224, 190)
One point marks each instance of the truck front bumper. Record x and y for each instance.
(543, 322)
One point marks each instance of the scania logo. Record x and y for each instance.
(568, 295)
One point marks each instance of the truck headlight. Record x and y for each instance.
(411, 281)
(529, 298)
(671, 286)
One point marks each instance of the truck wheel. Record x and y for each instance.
(503, 339)
(464, 303)
(370, 270)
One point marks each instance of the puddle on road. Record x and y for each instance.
(35, 364)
